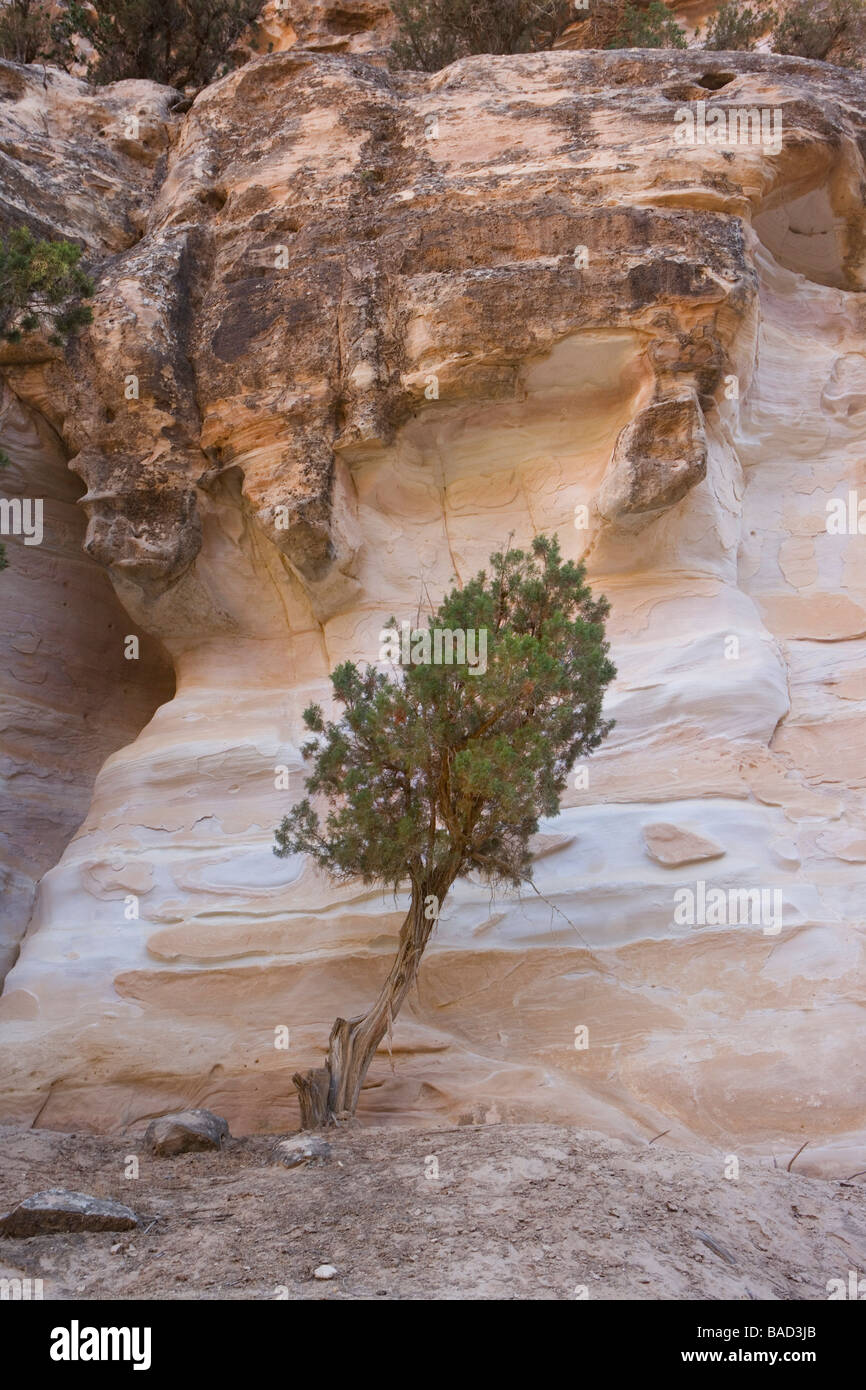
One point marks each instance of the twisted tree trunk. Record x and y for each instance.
(330, 1093)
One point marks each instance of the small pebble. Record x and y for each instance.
(325, 1272)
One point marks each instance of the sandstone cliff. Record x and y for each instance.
(376, 323)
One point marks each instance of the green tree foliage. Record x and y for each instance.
(182, 43)
(834, 32)
(654, 27)
(41, 287)
(436, 772)
(735, 26)
(434, 33)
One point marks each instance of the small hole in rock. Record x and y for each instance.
(213, 198)
(714, 80)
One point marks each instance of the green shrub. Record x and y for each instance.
(434, 33)
(654, 27)
(736, 26)
(182, 43)
(41, 287)
(835, 32)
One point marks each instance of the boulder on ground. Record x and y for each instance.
(57, 1210)
(186, 1132)
(301, 1149)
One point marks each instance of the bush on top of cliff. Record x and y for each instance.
(181, 43)
(654, 27)
(434, 33)
(735, 27)
(41, 287)
(833, 32)
(25, 31)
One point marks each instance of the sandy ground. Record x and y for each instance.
(516, 1211)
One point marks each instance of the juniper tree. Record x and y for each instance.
(41, 287)
(438, 770)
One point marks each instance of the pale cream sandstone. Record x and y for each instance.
(286, 482)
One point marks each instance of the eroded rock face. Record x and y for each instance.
(378, 324)
(326, 26)
(69, 697)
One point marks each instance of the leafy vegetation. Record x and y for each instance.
(438, 771)
(654, 27)
(736, 26)
(182, 43)
(434, 33)
(41, 287)
(832, 32)
(26, 31)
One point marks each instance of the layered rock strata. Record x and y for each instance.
(376, 324)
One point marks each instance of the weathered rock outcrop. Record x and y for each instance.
(372, 325)
(325, 26)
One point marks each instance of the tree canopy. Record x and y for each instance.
(440, 765)
(41, 287)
